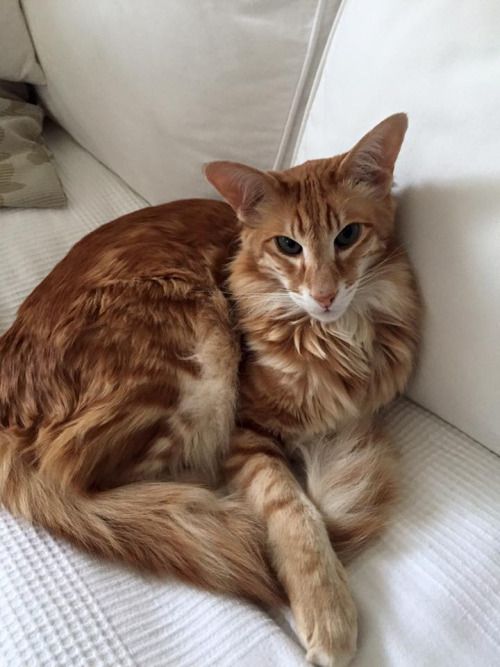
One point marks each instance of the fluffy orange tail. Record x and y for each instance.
(165, 528)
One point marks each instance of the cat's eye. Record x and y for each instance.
(288, 246)
(348, 236)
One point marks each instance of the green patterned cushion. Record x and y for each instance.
(28, 176)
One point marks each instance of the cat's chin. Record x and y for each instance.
(326, 317)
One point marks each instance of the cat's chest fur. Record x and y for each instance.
(311, 384)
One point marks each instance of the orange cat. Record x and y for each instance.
(122, 388)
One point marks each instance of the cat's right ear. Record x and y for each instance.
(372, 159)
(244, 188)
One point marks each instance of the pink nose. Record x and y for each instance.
(324, 300)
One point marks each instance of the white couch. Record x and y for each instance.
(143, 93)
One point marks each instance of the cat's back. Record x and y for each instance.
(186, 239)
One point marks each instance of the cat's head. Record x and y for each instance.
(310, 234)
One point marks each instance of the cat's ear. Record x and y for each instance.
(244, 188)
(372, 159)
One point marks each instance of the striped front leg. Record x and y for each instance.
(305, 562)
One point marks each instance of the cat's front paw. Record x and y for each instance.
(326, 621)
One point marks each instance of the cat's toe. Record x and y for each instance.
(321, 658)
(326, 623)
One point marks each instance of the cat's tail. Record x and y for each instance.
(165, 528)
(352, 479)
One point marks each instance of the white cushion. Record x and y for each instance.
(440, 62)
(17, 57)
(155, 89)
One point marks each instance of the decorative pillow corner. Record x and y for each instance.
(28, 177)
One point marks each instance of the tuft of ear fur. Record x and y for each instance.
(243, 187)
(372, 159)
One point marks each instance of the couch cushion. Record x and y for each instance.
(429, 591)
(17, 56)
(440, 62)
(155, 89)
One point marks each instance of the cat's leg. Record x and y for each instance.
(351, 478)
(310, 571)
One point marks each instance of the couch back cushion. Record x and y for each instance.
(17, 56)
(440, 62)
(155, 89)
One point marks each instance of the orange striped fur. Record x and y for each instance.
(123, 385)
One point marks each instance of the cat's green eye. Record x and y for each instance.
(288, 246)
(348, 236)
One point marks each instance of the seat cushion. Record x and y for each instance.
(428, 591)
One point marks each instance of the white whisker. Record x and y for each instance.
(377, 270)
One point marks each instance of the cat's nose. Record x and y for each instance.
(324, 300)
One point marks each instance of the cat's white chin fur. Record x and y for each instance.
(336, 310)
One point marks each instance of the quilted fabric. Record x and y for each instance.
(428, 592)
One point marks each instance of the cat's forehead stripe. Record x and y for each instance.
(333, 219)
(313, 211)
(313, 200)
(300, 222)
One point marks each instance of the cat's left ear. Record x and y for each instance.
(372, 159)
(246, 189)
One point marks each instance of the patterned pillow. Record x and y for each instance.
(27, 174)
